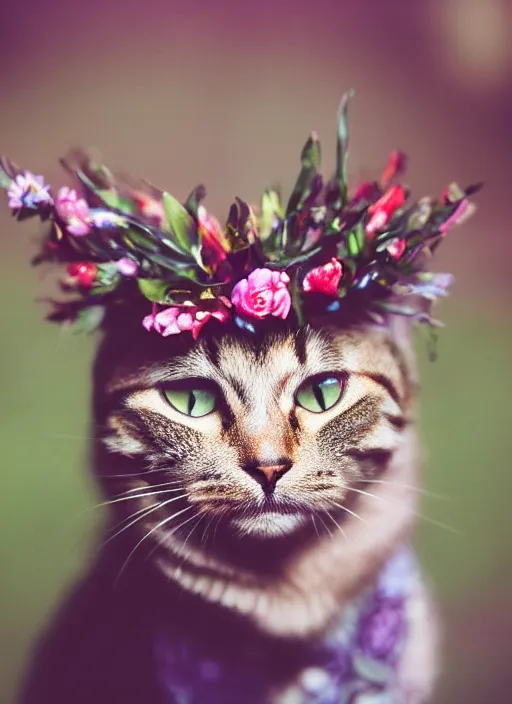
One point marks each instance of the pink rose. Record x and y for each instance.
(263, 293)
(396, 248)
(324, 279)
(74, 211)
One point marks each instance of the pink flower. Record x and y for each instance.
(263, 293)
(174, 320)
(396, 248)
(74, 211)
(170, 321)
(383, 209)
(127, 266)
(28, 191)
(324, 279)
(203, 316)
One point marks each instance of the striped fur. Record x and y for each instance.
(289, 563)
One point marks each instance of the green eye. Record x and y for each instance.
(191, 402)
(320, 394)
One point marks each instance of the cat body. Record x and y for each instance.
(263, 490)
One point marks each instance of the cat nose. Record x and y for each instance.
(268, 474)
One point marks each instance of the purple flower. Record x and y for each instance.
(105, 219)
(382, 628)
(28, 191)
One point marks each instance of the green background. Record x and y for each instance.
(184, 92)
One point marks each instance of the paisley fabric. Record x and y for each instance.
(355, 663)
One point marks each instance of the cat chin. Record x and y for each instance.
(268, 525)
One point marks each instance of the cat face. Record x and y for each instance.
(251, 436)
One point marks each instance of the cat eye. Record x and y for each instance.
(194, 402)
(320, 393)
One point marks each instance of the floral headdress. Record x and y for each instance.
(327, 249)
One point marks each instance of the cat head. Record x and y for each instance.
(257, 437)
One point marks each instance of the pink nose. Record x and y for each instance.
(271, 473)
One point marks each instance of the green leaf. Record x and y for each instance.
(5, 179)
(194, 200)
(271, 209)
(108, 275)
(342, 147)
(135, 239)
(8, 172)
(110, 197)
(296, 296)
(353, 244)
(372, 670)
(282, 263)
(181, 222)
(154, 290)
(88, 319)
(455, 192)
(360, 237)
(310, 160)
(237, 225)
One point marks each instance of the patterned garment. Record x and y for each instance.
(356, 663)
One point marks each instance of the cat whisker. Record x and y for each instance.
(153, 530)
(110, 502)
(147, 511)
(128, 474)
(352, 513)
(420, 515)
(205, 531)
(156, 486)
(137, 516)
(195, 525)
(312, 516)
(335, 523)
(425, 492)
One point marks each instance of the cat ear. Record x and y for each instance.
(401, 329)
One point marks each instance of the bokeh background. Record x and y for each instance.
(226, 93)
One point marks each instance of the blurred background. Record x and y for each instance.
(225, 93)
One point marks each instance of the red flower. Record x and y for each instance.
(396, 248)
(151, 209)
(324, 279)
(396, 165)
(383, 209)
(366, 191)
(84, 272)
(213, 241)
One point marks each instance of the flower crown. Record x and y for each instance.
(326, 250)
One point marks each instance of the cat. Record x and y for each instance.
(262, 491)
